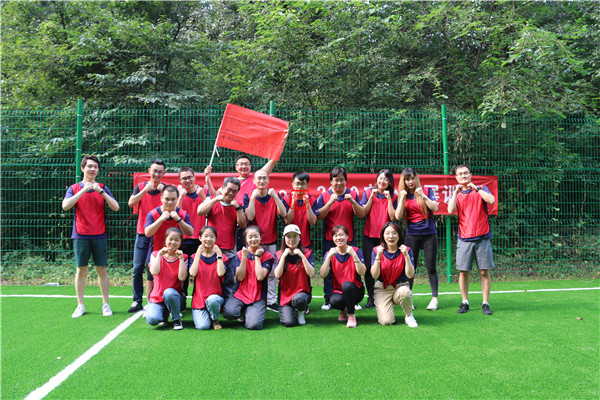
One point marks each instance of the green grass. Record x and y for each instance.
(534, 346)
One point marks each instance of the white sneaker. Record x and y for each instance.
(326, 306)
(301, 318)
(106, 311)
(357, 307)
(411, 321)
(433, 304)
(79, 311)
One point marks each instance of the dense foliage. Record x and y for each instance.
(501, 57)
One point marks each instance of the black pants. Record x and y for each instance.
(368, 243)
(351, 295)
(429, 245)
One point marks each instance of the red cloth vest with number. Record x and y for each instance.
(301, 219)
(344, 271)
(294, 279)
(265, 217)
(224, 220)
(89, 212)
(158, 239)
(340, 213)
(250, 289)
(378, 215)
(168, 277)
(472, 215)
(191, 207)
(207, 283)
(392, 271)
(144, 206)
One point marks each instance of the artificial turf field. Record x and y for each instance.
(538, 344)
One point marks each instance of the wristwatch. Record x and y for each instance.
(219, 257)
(477, 188)
(101, 191)
(238, 208)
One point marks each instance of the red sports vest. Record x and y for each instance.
(89, 212)
(340, 213)
(168, 277)
(207, 283)
(224, 220)
(294, 279)
(301, 219)
(250, 289)
(191, 207)
(392, 271)
(145, 205)
(159, 236)
(472, 215)
(378, 215)
(344, 271)
(265, 216)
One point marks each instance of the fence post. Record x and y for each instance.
(78, 176)
(272, 108)
(447, 172)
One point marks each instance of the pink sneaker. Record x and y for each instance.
(343, 316)
(351, 321)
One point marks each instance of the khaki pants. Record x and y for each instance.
(386, 298)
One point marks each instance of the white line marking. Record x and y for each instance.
(64, 296)
(59, 378)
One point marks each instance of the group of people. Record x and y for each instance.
(224, 242)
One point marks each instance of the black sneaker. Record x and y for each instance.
(135, 307)
(464, 307)
(273, 307)
(486, 309)
(370, 303)
(177, 325)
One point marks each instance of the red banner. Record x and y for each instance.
(442, 185)
(252, 132)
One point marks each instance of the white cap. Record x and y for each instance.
(291, 228)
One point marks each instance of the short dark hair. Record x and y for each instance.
(171, 188)
(158, 161)
(340, 228)
(85, 159)
(301, 176)
(185, 169)
(231, 179)
(246, 156)
(337, 171)
(463, 166)
(397, 228)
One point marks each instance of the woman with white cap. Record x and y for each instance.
(295, 267)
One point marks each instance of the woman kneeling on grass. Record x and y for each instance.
(393, 268)
(345, 265)
(250, 299)
(169, 268)
(208, 268)
(295, 267)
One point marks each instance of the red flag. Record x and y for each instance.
(252, 132)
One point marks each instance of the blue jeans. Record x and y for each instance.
(203, 316)
(140, 257)
(159, 312)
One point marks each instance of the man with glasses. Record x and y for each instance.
(337, 206)
(225, 214)
(190, 197)
(146, 196)
(301, 207)
(474, 235)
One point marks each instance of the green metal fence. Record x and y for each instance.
(548, 170)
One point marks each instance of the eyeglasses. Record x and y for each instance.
(243, 164)
(463, 173)
(187, 178)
